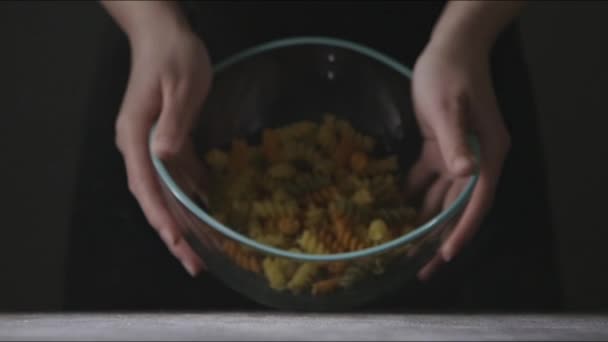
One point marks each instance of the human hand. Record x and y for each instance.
(454, 97)
(170, 77)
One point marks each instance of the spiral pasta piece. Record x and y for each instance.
(306, 183)
(239, 155)
(358, 162)
(325, 286)
(281, 171)
(378, 232)
(380, 166)
(242, 258)
(303, 277)
(345, 236)
(271, 145)
(314, 216)
(309, 188)
(353, 274)
(337, 268)
(384, 188)
(217, 159)
(347, 209)
(271, 209)
(298, 130)
(324, 195)
(328, 240)
(303, 152)
(275, 276)
(310, 243)
(362, 197)
(359, 141)
(288, 225)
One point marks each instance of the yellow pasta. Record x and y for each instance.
(311, 243)
(309, 187)
(217, 159)
(303, 277)
(298, 130)
(362, 197)
(266, 209)
(274, 274)
(282, 171)
(271, 145)
(378, 231)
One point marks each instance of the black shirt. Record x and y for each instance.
(116, 261)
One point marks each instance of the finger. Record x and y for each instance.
(455, 190)
(433, 200)
(144, 184)
(447, 121)
(147, 191)
(481, 199)
(430, 268)
(422, 174)
(189, 259)
(181, 104)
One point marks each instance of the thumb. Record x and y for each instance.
(174, 124)
(450, 130)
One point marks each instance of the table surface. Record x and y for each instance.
(288, 326)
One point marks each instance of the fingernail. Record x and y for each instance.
(447, 255)
(191, 269)
(170, 237)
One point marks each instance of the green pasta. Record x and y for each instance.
(309, 187)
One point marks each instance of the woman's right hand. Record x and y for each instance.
(169, 80)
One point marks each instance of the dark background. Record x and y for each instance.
(48, 54)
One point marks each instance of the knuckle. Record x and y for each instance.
(119, 132)
(453, 103)
(133, 186)
(157, 224)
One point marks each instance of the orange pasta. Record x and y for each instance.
(325, 286)
(358, 161)
(324, 195)
(243, 259)
(288, 225)
(336, 268)
(345, 236)
(271, 145)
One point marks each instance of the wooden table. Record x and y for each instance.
(287, 326)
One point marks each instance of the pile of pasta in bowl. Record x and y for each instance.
(309, 187)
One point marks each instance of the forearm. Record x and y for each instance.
(142, 18)
(474, 24)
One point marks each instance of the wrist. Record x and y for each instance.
(461, 38)
(158, 28)
(144, 21)
(473, 26)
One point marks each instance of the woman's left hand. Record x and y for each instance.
(454, 97)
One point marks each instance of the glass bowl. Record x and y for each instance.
(282, 82)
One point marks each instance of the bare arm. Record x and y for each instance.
(139, 18)
(453, 97)
(474, 23)
(169, 78)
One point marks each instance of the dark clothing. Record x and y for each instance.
(116, 261)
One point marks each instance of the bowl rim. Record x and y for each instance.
(417, 232)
